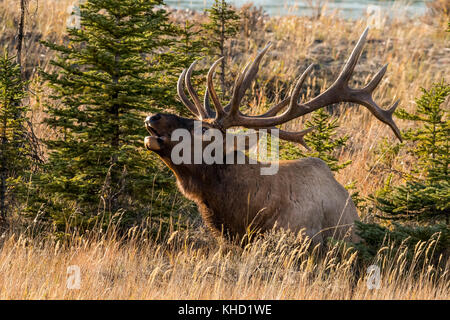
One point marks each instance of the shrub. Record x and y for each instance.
(425, 195)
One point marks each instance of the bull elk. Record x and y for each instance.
(233, 198)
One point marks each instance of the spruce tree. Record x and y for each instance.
(14, 155)
(425, 195)
(191, 45)
(190, 48)
(114, 70)
(323, 141)
(223, 24)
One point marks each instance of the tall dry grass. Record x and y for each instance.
(184, 266)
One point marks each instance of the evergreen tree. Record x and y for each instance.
(189, 49)
(223, 24)
(14, 156)
(191, 45)
(375, 237)
(114, 70)
(323, 141)
(425, 196)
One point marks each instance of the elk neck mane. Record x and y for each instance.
(217, 189)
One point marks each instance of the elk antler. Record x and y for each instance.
(250, 72)
(339, 91)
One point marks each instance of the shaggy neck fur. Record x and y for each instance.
(219, 191)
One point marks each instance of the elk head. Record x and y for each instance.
(222, 117)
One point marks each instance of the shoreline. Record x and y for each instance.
(342, 10)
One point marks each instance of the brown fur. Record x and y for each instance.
(234, 199)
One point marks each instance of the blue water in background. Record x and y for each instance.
(346, 8)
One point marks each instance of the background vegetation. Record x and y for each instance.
(76, 192)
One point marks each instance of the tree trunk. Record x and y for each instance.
(222, 51)
(2, 194)
(3, 174)
(115, 108)
(115, 142)
(20, 33)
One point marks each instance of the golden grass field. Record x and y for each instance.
(190, 264)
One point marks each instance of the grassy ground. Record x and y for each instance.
(190, 264)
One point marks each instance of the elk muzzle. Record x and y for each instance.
(155, 141)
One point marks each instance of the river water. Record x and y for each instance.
(346, 8)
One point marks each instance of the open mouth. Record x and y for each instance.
(155, 141)
(152, 130)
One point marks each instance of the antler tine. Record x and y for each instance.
(297, 137)
(273, 111)
(376, 79)
(212, 92)
(270, 119)
(236, 98)
(349, 67)
(250, 74)
(384, 116)
(339, 91)
(184, 99)
(192, 93)
(250, 71)
(296, 92)
(343, 78)
(364, 96)
(210, 113)
(290, 100)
